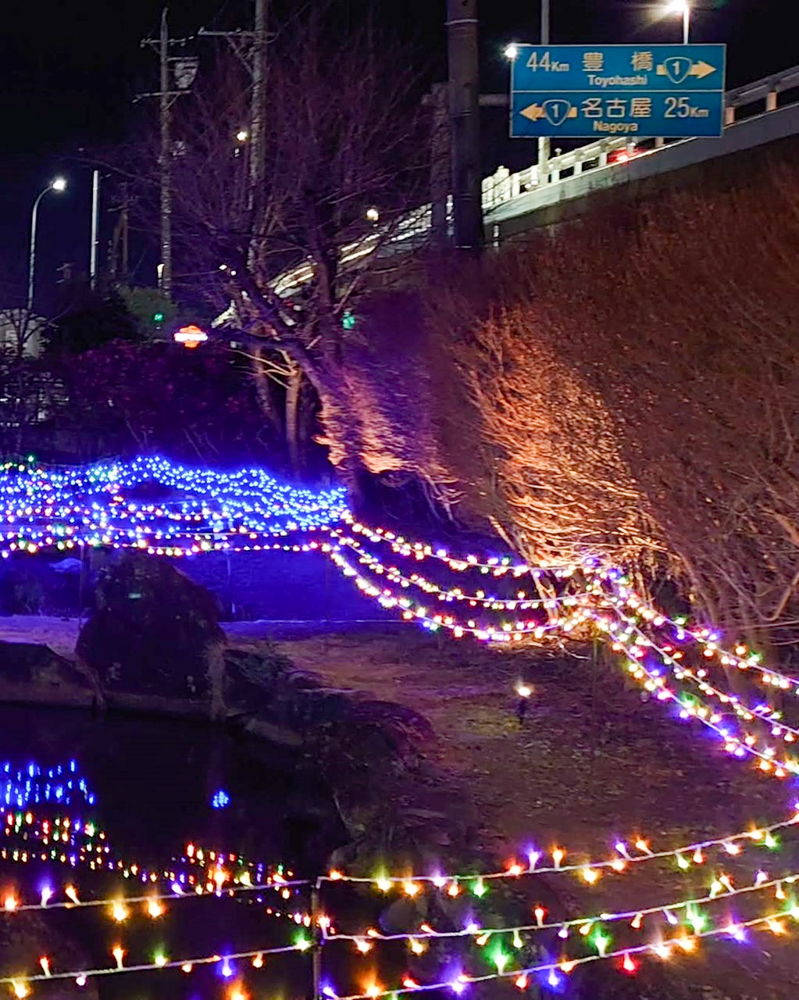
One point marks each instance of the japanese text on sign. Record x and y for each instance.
(661, 90)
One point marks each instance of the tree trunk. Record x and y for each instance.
(293, 389)
(262, 390)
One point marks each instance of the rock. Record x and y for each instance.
(252, 680)
(34, 673)
(272, 732)
(155, 632)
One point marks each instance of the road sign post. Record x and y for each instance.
(577, 91)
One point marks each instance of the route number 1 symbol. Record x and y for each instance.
(678, 68)
(556, 110)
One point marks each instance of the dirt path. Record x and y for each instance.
(591, 762)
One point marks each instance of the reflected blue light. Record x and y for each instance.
(22, 787)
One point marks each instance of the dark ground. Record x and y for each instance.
(591, 762)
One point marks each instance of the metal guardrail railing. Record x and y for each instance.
(503, 186)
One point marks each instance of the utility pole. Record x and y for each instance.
(464, 123)
(95, 225)
(543, 141)
(166, 163)
(184, 70)
(250, 47)
(258, 114)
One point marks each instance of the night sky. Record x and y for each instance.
(70, 70)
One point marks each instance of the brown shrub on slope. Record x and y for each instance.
(637, 379)
(628, 385)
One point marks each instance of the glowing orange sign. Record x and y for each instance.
(190, 336)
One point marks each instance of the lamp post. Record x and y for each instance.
(511, 51)
(543, 141)
(682, 7)
(58, 185)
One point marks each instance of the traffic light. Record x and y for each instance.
(348, 319)
(158, 317)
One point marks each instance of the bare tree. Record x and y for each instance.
(344, 162)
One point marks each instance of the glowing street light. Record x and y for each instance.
(242, 135)
(681, 7)
(511, 51)
(372, 214)
(59, 184)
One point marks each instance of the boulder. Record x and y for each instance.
(31, 672)
(154, 633)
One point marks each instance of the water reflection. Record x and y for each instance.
(108, 805)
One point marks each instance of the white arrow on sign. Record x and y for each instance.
(699, 69)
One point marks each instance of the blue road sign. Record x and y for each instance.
(637, 91)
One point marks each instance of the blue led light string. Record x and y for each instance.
(99, 505)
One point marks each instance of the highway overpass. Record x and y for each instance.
(756, 115)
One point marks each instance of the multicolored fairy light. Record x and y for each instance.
(626, 957)
(160, 961)
(202, 511)
(690, 911)
(99, 505)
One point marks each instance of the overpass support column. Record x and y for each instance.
(464, 123)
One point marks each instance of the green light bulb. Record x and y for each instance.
(697, 920)
(499, 958)
(479, 888)
(600, 941)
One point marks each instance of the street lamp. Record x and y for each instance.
(511, 51)
(681, 7)
(59, 184)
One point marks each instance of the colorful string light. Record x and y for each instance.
(636, 650)
(627, 854)
(413, 611)
(563, 967)
(742, 658)
(247, 510)
(763, 712)
(498, 565)
(653, 680)
(100, 505)
(521, 601)
(186, 965)
(721, 890)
